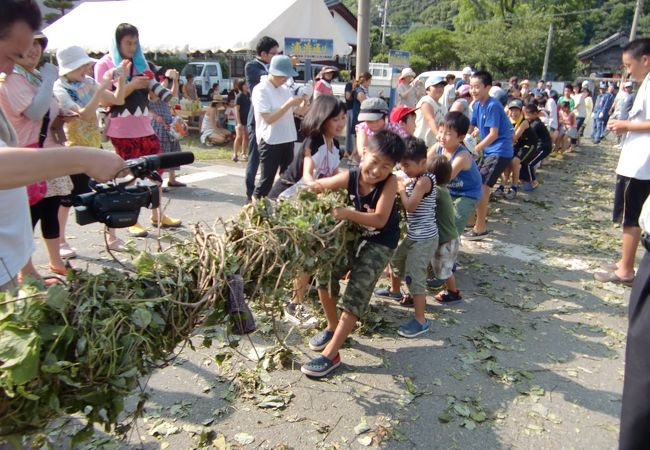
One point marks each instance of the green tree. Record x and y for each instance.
(62, 6)
(436, 47)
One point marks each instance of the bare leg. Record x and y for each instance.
(29, 271)
(450, 283)
(631, 238)
(329, 308)
(345, 326)
(64, 212)
(52, 246)
(482, 211)
(395, 283)
(516, 168)
(419, 301)
(300, 285)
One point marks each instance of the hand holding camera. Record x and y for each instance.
(117, 204)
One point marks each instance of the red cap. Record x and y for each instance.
(399, 112)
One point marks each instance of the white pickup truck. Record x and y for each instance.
(379, 86)
(206, 73)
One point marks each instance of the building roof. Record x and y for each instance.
(343, 11)
(618, 39)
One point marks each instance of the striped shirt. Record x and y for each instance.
(421, 223)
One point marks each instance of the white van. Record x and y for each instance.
(206, 73)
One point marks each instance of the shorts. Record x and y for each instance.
(444, 259)
(491, 168)
(464, 208)
(129, 148)
(629, 196)
(410, 263)
(366, 262)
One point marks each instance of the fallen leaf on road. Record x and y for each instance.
(244, 438)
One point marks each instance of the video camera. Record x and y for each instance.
(118, 204)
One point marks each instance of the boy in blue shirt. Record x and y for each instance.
(371, 189)
(495, 131)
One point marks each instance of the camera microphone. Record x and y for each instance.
(141, 167)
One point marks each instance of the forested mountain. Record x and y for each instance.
(501, 35)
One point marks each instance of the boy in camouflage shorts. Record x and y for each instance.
(371, 191)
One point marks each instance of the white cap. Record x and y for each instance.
(71, 58)
(585, 84)
(467, 70)
(627, 84)
(407, 72)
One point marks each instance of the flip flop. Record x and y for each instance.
(176, 184)
(611, 277)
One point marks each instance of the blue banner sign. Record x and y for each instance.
(399, 58)
(307, 48)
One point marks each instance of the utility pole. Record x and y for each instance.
(363, 37)
(383, 24)
(547, 55)
(635, 22)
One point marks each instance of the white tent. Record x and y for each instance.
(196, 25)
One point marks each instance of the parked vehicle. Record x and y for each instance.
(442, 73)
(206, 73)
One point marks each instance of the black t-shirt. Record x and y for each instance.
(244, 103)
(544, 142)
(527, 139)
(389, 234)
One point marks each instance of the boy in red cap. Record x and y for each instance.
(404, 116)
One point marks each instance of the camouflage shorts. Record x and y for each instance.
(366, 262)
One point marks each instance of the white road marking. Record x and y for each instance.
(526, 254)
(200, 176)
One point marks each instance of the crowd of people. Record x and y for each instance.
(440, 151)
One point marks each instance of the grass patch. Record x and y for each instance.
(192, 143)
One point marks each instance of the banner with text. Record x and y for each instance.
(307, 48)
(399, 58)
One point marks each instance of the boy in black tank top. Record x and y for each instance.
(371, 191)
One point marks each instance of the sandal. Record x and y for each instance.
(176, 184)
(611, 277)
(407, 301)
(62, 272)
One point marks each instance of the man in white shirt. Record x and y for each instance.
(18, 21)
(633, 170)
(275, 129)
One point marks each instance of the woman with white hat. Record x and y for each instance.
(409, 90)
(79, 97)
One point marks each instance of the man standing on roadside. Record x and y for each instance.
(266, 49)
(633, 170)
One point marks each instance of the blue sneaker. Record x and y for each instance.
(435, 283)
(413, 328)
(385, 292)
(527, 186)
(321, 366)
(319, 342)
